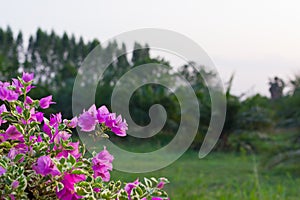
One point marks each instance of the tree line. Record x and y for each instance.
(55, 60)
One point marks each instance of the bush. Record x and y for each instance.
(40, 160)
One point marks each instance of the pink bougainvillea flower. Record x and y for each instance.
(7, 94)
(46, 102)
(20, 148)
(28, 100)
(19, 109)
(47, 130)
(4, 84)
(12, 197)
(38, 116)
(68, 191)
(3, 90)
(160, 185)
(87, 121)
(102, 114)
(97, 189)
(102, 164)
(93, 110)
(35, 139)
(12, 96)
(27, 77)
(45, 166)
(103, 157)
(110, 120)
(12, 133)
(129, 186)
(64, 153)
(2, 109)
(71, 123)
(119, 127)
(61, 135)
(18, 85)
(15, 184)
(2, 170)
(28, 88)
(55, 120)
(3, 93)
(101, 170)
(39, 138)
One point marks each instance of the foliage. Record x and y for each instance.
(9, 48)
(288, 107)
(55, 60)
(39, 159)
(288, 111)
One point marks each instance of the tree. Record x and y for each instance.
(9, 63)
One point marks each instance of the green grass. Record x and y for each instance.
(224, 176)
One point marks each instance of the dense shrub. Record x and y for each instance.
(40, 160)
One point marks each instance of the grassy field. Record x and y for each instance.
(224, 176)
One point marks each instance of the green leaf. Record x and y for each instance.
(22, 182)
(5, 144)
(20, 128)
(33, 124)
(60, 186)
(60, 168)
(20, 170)
(4, 114)
(98, 180)
(3, 163)
(78, 164)
(51, 146)
(122, 195)
(79, 171)
(143, 187)
(81, 191)
(160, 193)
(97, 185)
(89, 178)
(106, 193)
(94, 153)
(26, 114)
(18, 157)
(154, 180)
(71, 159)
(83, 184)
(70, 148)
(137, 191)
(111, 185)
(61, 127)
(9, 118)
(62, 161)
(31, 131)
(148, 182)
(36, 103)
(118, 184)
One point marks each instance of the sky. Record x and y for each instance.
(256, 39)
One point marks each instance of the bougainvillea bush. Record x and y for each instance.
(40, 160)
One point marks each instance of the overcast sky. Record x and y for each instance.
(256, 39)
